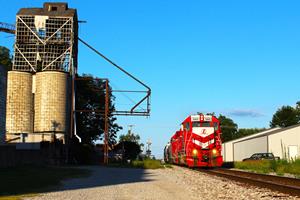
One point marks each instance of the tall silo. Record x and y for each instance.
(3, 80)
(46, 51)
(51, 105)
(19, 107)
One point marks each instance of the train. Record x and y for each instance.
(197, 143)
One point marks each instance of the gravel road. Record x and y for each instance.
(165, 184)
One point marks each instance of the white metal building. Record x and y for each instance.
(282, 142)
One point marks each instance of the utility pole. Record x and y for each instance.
(130, 128)
(148, 151)
(130, 133)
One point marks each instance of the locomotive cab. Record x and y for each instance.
(198, 142)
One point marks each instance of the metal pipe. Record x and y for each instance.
(114, 64)
(136, 105)
(73, 112)
(134, 91)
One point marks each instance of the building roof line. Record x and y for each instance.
(270, 133)
(254, 135)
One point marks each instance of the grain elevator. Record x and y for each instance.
(39, 86)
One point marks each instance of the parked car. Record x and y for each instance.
(262, 156)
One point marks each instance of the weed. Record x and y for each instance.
(147, 164)
(280, 167)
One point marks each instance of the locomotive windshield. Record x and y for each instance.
(203, 124)
(196, 124)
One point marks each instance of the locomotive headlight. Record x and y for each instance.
(195, 152)
(214, 151)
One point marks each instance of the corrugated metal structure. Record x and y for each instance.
(3, 79)
(39, 85)
(228, 147)
(282, 142)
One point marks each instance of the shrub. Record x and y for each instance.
(146, 164)
(262, 166)
(293, 167)
(280, 167)
(152, 164)
(137, 164)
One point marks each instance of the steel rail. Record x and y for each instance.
(285, 185)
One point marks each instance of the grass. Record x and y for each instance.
(167, 165)
(17, 197)
(143, 164)
(280, 167)
(147, 164)
(23, 181)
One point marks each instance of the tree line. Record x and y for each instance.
(230, 130)
(284, 116)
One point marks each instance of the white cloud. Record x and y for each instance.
(245, 113)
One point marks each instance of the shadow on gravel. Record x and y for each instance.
(105, 176)
(33, 182)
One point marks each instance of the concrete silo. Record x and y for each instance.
(52, 109)
(19, 109)
(3, 79)
(39, 85)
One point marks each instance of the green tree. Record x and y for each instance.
(130, 150)
(286, 116)
(298, 109)
(5, 58)
(129, 145)
(298, 105)
(130, 137)
(228, 127)
(90, 95)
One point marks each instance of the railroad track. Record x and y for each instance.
(285, 185)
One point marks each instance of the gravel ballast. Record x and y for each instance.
(170, 183)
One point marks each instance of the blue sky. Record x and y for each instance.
(238, 58)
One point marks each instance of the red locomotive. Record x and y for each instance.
(197, 143)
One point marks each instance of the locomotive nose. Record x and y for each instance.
(205, 158)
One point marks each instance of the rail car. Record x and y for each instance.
(197, 143)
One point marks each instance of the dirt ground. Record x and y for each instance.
(166, 184)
